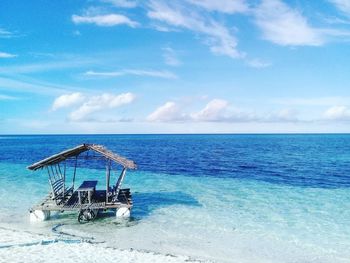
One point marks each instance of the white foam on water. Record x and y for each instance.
(20, 246)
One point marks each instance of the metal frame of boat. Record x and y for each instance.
(85, 199)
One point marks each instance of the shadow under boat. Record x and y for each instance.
(146, 203)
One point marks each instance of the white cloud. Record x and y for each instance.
(340, 34)
(213, 111)
(7, 97)
(104, 20)
(339, 113)
(170, 57)
(224, 6)
(7, 55)
(147, 73)
(342, 5)
(167, 112)
(284, 115)
(122, 3)
(98, 103)
(217, 110)
(336, 20)
(164, 28)
(218, 37)
(67, 100)
(55, 64)
(104, 74)
(318, 101)
(30, 86)
(258, 63)
(285, 26)
(5, 33)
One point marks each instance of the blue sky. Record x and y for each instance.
(189, 66)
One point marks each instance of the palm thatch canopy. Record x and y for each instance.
(57, 158)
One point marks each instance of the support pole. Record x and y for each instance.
(59, 175)
(75, 170)
(48, 171)
(50, 180)
(53, 173)
(59, 169)
(63, 179)
(119, 182)
(108, 176)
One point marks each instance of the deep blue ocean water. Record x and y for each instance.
(233, 198)
(302, 160)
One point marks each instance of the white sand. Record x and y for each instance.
(20, 246)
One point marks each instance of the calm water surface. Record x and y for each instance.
(227, 198)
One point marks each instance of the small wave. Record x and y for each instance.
(55, 230)
(73, 250)
(41, 242)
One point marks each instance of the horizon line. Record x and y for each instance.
(241, 133)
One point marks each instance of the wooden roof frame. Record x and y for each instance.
(74, 152)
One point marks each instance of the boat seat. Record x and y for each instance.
(124, 193)
(57, 191)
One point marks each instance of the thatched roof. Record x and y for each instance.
(57, 158)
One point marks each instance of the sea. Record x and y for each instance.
(197, 198)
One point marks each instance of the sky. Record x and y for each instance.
(180, 66)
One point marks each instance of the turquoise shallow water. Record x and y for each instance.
(242, 198)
